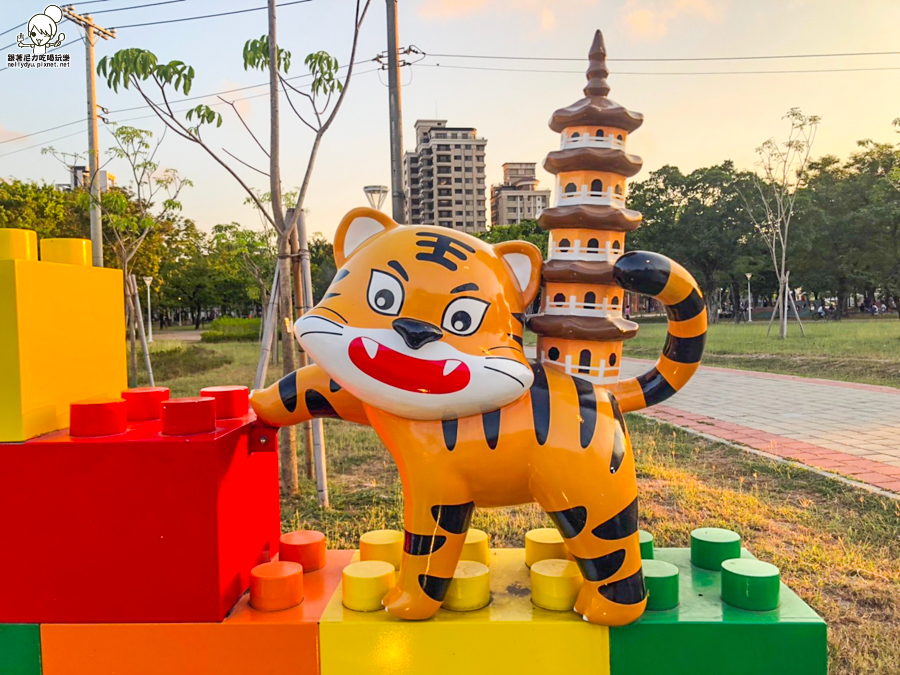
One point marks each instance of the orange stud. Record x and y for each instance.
(145, 403)
(306, 547)
(231, 401)
(97, 417)
(275, 586)
(191, 415)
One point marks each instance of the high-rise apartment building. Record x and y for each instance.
(444, 177)
(517, 197)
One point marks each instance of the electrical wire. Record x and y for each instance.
(149, 4)
(663, 59)
(699, 72)
(208, 16)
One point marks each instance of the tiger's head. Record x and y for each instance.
(424, 322)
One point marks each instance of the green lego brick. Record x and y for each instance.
(20, 649)
(705, 635)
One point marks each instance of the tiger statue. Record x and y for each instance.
(420, 336)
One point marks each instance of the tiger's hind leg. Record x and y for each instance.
(591, 495)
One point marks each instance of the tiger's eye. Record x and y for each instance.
(384, 298)
(461, 321)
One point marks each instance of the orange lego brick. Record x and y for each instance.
(248, 642)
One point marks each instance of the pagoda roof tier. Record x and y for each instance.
(590, 217)
(596, 110)
(578, 271)
(592, 329)
(614, 160)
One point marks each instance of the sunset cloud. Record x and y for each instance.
(650, 19)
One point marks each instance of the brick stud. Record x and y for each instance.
(186, 416)
(275, 586)
(145, 403)
(97, 417)
(231, 401)
(306, 547)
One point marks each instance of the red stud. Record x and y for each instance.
(186, 416)
(231, 401)
(306, 547)
(97, 417)
(275, 586)
(145, 403)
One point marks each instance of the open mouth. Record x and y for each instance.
(407, 372)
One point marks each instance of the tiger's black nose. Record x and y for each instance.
(416, 333)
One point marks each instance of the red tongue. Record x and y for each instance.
(407, 372)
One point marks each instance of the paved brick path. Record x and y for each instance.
(842, 427)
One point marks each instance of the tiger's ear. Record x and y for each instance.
(524, 261)
(356, 228)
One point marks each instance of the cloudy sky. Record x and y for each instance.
(691, 120)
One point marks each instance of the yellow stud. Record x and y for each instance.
(543, 544)
(555, 584)
(67, 251)
(365, 583)
(385, 545)
(477, 547)
(17, 244)
(470, 588)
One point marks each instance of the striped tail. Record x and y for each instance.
(664, 279)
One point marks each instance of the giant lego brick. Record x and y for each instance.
(20, 649)
(136, 526)
(703, 634)
(700, 635)
(247, 642)
(509, 636)
(61, 336)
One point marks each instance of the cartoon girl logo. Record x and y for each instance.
(42, 30)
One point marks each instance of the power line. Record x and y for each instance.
(665, 59)
(698, 72)
(122, 9)
(13, 152)
(42, 131)
(209, 16)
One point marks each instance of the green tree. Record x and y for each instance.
(525, 230)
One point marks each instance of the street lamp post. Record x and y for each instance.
(375, 194)
(749, 299)
(148, 281)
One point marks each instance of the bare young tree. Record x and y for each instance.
(141, 70)
(781, 173)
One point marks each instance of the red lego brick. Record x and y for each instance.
(146, 527)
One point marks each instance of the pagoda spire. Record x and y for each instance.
(597, 71)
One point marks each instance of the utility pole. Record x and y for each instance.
(398, 200)
(91, 30)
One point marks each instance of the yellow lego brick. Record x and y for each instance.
(62, 339)
(508, 636)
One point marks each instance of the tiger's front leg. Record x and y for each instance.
(435, 534)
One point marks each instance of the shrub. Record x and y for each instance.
(227, 329)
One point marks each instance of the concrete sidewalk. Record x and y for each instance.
(842, 427)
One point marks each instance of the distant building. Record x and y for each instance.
(444, 177)
(517, 197)
(80, 176)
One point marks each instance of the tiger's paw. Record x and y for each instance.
(614, 604)
(414, 605)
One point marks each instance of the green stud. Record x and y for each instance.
(710, 546)
(750, 584)
(662, 584)
(646, 544)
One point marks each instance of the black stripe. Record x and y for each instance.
(587, 408)
(518, 316)
(462, 288)
(621, 525)
(570, 522)
(318, 405)
(490, 422)
(517, 338)
(434, 587)
(628, 591)
(643, 272)
(602, 568)
(618, 452)
(450, 427)
(453, 517)
(330, 295)
(617, 411)
(422, 544)
(688, 308)
(399, 269)
(334, 387)
(540, 403)
(655, 387)
(340, 275)
(287, 390)
(684, 350)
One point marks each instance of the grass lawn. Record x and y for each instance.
(854, 351)
(838, 547)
